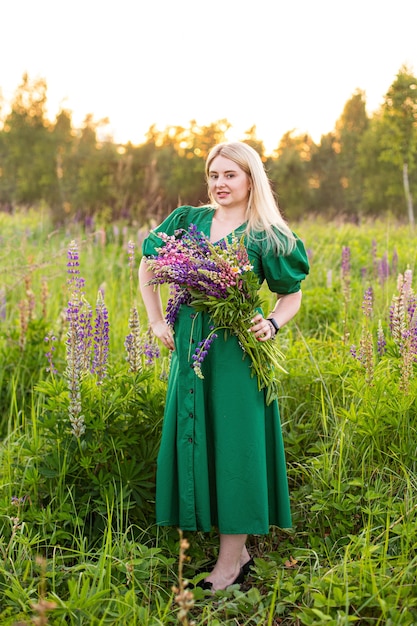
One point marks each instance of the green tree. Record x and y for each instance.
(176, 175)
(95, 164)
(290, 174)
(326, 178)
(400, 114)
(349, 131)
(28, 166)
(251, 138)
(381, 185)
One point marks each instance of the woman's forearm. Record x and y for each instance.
(152, 300)
(150, 294)
(286, 308)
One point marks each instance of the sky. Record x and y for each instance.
(279, 65)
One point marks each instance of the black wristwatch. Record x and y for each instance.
(274, 324)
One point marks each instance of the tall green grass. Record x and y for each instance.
(77, 527)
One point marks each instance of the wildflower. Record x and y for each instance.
(399, 317)
(85, 333)
(383, 269)
(354, 351)
(366, 355)
(150, 348)
(138, 345)
(74, 370)
(406, 361)
(24, 322)
(44, 297)
(75, 282)
(381, 342)
(50, 339)
(367, 304)
(131, 262)
(101, 339)
(30, 297)
(133, 341)
(78, 341)
(346, 265)
(201, 353)
(403, 327)
(16, 501)
(131, 253)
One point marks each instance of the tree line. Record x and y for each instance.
(367, 166)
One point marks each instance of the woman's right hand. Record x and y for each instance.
(163, 332)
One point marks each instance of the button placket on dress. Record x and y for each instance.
(186, 419)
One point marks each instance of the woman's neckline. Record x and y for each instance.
(228, 234)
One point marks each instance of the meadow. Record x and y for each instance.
(78, 542)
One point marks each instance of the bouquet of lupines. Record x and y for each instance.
(219, 280)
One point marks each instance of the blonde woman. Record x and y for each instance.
(221, 462)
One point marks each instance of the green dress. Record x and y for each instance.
(221, 461)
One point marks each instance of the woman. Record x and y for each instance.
(221, 461)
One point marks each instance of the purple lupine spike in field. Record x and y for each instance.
(100, 339)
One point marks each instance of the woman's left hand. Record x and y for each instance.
(261, 328)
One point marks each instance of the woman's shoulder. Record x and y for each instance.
(187, 214)
(194, 210)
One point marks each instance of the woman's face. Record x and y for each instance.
(228, 184)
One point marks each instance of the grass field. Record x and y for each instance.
(78, 542)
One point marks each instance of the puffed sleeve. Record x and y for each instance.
(284, 274)
(173, 222)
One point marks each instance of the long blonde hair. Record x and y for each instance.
(262, 213)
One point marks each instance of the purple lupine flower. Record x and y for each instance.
(44, 297)
(354, 352)
(366, 355)
(75, 282)
(24, 322)
(345, 268)
(406, 361)
(78, 340)
(345, 260)
(101, 339)
(178, 297)
(368, 301)
(133, 341)
(137, 345)
(381, 341)
(19, 501)
(150, 348)
(131, 253)
(399, 313)
(201, 353)
(85, 333)
(74, 369)
(383, 269)
(407, 281)
(50, 339)
(131, 264)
